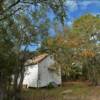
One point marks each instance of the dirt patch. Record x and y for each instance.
(68, 91)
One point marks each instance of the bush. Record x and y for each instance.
(52, 85)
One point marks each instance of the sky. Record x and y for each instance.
(75, 9)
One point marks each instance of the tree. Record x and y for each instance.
(57, 6)
(63, 49)
(18, 29)
(78, 47)
(88, 27)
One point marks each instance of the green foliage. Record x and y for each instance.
(20, 25)
(78, 46)
(88, 27)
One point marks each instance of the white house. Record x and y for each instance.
(40, 72)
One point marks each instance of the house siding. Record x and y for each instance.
(31, 76)
(39, 75)
(46, 76)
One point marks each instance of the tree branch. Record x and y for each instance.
(11, 6)
(14, 4)
(26, 2)
(5, 17)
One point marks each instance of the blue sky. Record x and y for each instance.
(75, 9)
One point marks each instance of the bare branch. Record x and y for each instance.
(26, 2)
(5, 17)
(14, 4)
(11, 6)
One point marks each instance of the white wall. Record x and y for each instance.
(31, 76)
(46, 76)
(39, 76)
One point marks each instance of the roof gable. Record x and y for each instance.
(36, 60)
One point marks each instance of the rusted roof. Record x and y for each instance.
(36, 59)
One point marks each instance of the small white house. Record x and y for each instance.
(40, 72)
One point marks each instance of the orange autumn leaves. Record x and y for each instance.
(75, 42)
(71, 42)
(88, 53)
(59, 40)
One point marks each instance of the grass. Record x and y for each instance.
(68, 91)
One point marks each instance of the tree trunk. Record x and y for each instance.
(2, 94)
(15, 86)
(18, 80)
